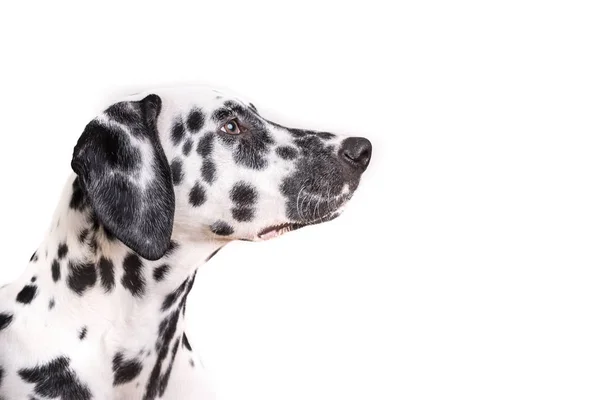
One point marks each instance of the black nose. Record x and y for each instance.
(356, 151)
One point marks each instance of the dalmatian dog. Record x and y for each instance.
(162, 180)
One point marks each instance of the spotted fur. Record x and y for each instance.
(159, 187)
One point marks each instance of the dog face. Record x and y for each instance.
(203, 163)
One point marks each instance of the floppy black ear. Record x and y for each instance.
(124, 172)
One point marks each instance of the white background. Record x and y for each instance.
(467, 266)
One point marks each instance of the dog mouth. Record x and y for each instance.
(274, 231)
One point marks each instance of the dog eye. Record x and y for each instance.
(232, 127)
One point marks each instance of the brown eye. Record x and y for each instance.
(232, 127)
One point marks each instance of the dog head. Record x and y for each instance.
(201, 163)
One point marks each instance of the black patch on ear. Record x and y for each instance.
(125, 370)
(27, 294)
(55, 271)
(107, 274)
(133, 278)
(55, 379)
(195, 120)
(177, 171)
(81, 277)
(124, 113)
(197, 195)
(5, 320)
(221, 228)
(108, 161)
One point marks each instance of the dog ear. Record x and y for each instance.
(124, 172)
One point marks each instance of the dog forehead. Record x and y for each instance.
(180, 99)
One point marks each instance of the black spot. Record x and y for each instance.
(34, 257)
(63, 249)
(82, 332)
(221, 228)
(192, 363)
(186, 343)
(250, 159)
(174, 296)
(5, 320)
(287, 152)
(197, 195)
(177, 131)
(1, 375)
(107, 273)
(51, 304)
(242, 214)
(125, 370)
(177, 171)
(187, 147)
(78, 201)
(243, 194)
(133, 279)
(27, 294)
(33, 278)
(166, 332)
(160, 272)
(195, 120)
(209, 170)
(55, 271)
(56, 379)
(205, 145)
(164, 381)
(81, 277)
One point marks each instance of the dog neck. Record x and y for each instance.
(106, 286)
